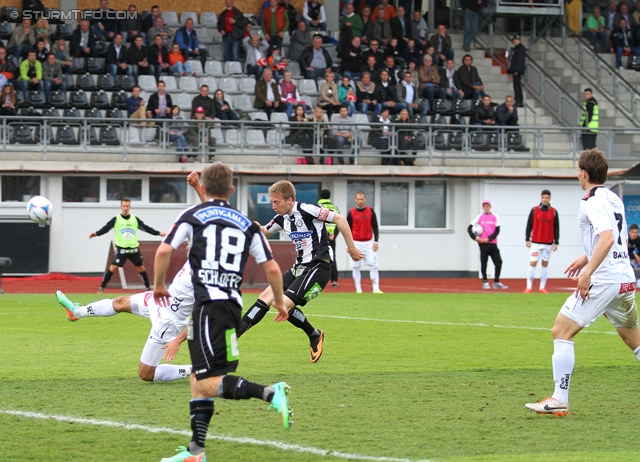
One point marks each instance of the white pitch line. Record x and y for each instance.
(228, 439)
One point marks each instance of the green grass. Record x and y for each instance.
(448, 383)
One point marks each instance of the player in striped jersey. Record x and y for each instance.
(304, 224)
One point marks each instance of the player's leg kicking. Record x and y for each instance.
(101, 308)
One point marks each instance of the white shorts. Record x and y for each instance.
(540, 251)
(370, 257)
(139, 303)
(152, 353)
(617, 301)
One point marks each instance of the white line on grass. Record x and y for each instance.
(229, 439)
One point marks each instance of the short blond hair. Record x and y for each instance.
(283, 188)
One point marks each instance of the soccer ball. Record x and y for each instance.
(477, 230)
(39, 209)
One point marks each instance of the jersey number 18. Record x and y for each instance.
(228, 252)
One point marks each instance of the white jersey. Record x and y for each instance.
(602, 210)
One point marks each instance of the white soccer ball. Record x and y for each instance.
(39, 209)
(477, 230)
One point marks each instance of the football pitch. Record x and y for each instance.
(403, 377)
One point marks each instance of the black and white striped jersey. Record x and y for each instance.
(221, 239)
(305, 227)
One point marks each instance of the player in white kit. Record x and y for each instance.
(606, 282)
(168, 324)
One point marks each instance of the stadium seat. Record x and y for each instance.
(66, 135)
(260, 115)
(209, 19)
(19, 98)
(286, 39)
(29, 112)
(94, 65)
(460, 106)
(189, 14)
(457, 119)
(91, 136)
(99, 99)
(5, 31)
(109, 135)
(280, 117)
(294, 68)
(478, 141)
(68, 80)
(170, 18)
(57, 99)
(205, 37)
(455, 140)
(53, 14)
(438, 119)
(21, 133)
(441, 106)
(43, 134)
(93, 113)
(274, 138)
(243, 102)
(64, 31)
(196, 66)
(149, 133)
(232, 137)
(100, 49)
(10, 14)
(147, 83)
(516, 143)
(106, 82)
(218, 135)
(79, 99)
(145, 95)
(71, 113)
(215, 51)
(255, 139)
(309, 87)
(233, 67)
(132, 136)
(228, 85)
(115, 113)
(78, 66)
(119, 99)
(494, 141)
(214, 68)
(183, 100)
(217, 36)
(189, 85)
(85, 82)
(248, 85)
(170, 83)
(211, 82)
(52, 113)
(439, 142)
(36, 98)
(126, 82)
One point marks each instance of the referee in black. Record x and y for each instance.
(126, 228)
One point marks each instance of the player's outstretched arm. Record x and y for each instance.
(173, 347)
(274, 277)
(194, 182)
(160, 267)
(343, 226)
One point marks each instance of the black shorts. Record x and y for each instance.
(304, 283)
(212, 338)
(120, 257)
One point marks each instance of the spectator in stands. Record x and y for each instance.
(371, 68)
(289, 94)
(187, 38)
(386, 92)
(179, 65)
(470, 14)
(160, 29)
(131, 25)
(408, 97)
(159, 57)
(351, 22)
(62, 55)
(412, 52)
(32, 5)
(203, 100)
(347, 95)
(382, 28)
(315, 61)
(328, 99)
(8, 100)
(116, 60)
(320, 134)
(573, 9)
(314, 15)
(507, 114)
(105, 22)
(389, 9)
(366, 96)
(83, 40)
(393, 51)
(268, 94)
(197, 134)
(149, 22)
(22, 39)
(301, 135)
(485, 114)
(590, 120)
(406, 140)
(441, 42)
(291, 12)
(223, 108)
(178, 128)
(595, 30)
(470, 81)
(610, 20)
(393, 70)
(343, 133)
(52, 76)
(8, 69)
(400, 28)
(256, 49)
(41, 50)
(635, 40)
(351, 59)
(275, 22)
(636, 15)
(431, 51)
(412, 67)
(30, 75)
(623, 13)
(622, 41)
(516, 67)
(277, 63)
(429, 79)
(138, 58)
(419, 29)
(160, 103)
(42, 30)
(300, 41)
(136, 106)
(374, 50)
(450, 81)
(367, 26)
(379, 138)
(231, 24)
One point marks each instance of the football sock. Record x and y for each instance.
(201, 412)
(544, 274)
(234, 387)
(375, 278)
(637, 353)
(298, 319)
(563, 360)
(531, 276)
(101, 308)
(145, 279)
(253, 316)
(170, 372)
(106, 278)
(356, 278)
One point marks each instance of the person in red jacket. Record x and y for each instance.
(542, 236)
(364, 228)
